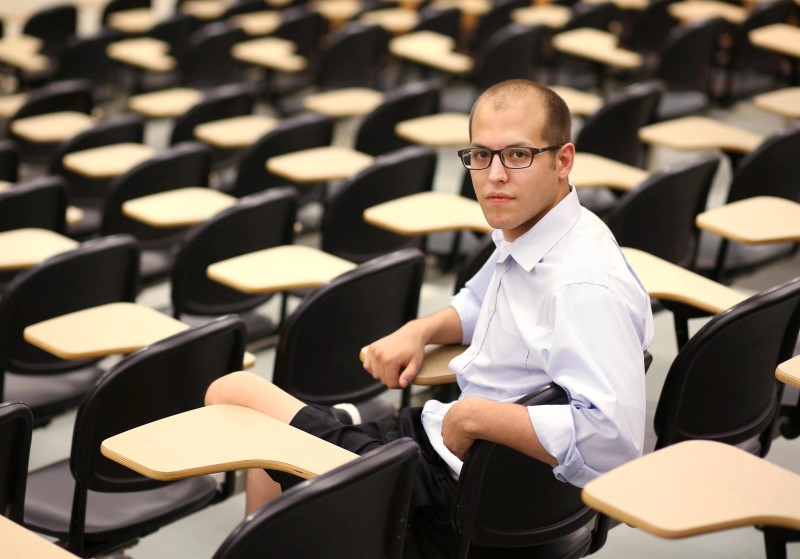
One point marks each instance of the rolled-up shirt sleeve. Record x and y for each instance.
(596, 356)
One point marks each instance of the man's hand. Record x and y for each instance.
(395, 360)
(459, 424)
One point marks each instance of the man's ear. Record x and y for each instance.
(565, 157)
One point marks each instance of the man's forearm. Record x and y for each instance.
(504, 423)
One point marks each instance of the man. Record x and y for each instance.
(555, 302)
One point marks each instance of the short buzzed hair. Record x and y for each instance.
(557, 129)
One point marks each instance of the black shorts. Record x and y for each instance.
(433, 492)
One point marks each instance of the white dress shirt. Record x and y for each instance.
(561, 304)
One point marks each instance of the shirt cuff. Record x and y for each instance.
(554, 428)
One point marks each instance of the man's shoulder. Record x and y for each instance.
(588, 251)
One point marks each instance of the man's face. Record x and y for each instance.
(514, 200)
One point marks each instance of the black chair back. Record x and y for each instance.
(721, 385)
(300, 132)
(513, 51)
(658, 216)
(392, 175)
(55, 26)
(225, 101)
(353, 57)
(357, 510)
(613, 131)
(316, 358)
(16, 428)
(39, 202)
(376, 133)
(256, 222)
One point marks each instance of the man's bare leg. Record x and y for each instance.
(252, 391)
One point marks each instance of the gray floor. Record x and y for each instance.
(199, 535)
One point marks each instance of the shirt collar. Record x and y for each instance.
(530, 247)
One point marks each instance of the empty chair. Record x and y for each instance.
(685, 67)
(54, 25)
(300, 132)
(175, 31)
(648, 30)
(392, 175)
(445, 21)
(70, 95)
(16, 427)
(498, 16)
(186, 164)
(766, 171)
(337, 320)
(222, 102)
(94, 505)
(613, 131)
(89, 193)
(376, 133)
(658, 217)
(208, 61)
(721, 385)
(304, 27)
(60, 285)
(85, 58)
(747, 68)
(359, 509)
(39, 202)
(513, 51)
(353, 57)
(259, 221)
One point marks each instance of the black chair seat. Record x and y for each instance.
(48, 505)
(51, 395)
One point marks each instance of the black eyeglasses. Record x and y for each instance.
(476, 159)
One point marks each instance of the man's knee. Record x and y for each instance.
(224, 389)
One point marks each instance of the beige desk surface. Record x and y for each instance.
(598, 46)
(18, 541)
(434, 369)
(780, 37)
(696, 487)
(468, 7)
(235, 132)
(221, 438)
(104, 330)
(178, 208)
(168, 103)
(143, 52)
(438, 130)
(394, 20)
(337, 11)
(22, 52)
(664, 280)
(428, 212)
(758, 220)
(788, 372)
(270, 52)
(785, 102)
(10, 104)
(696, 10)
(108, 161)
(590, 171)
(698, 133)
(258, 23)
(431, 49)
(553, 16)
(52, 127)
(204, 9)
(579, 102)
(343, 103)
(319, 164)
(134, 21)
(23, 248)
(278, 269)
